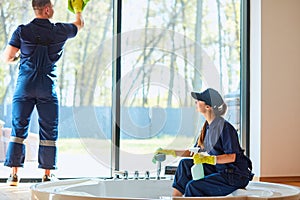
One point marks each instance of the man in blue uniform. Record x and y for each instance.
(40, 44)
(226, 168)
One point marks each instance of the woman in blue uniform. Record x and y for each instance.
(40, 44)
(226, 168)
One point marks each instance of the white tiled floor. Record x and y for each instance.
(21, 192)
(88, 166)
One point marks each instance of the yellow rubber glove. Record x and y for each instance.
(76, 6)
(165, 151)
(199, 158)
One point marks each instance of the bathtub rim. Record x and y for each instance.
(65, 184)
(39, 188)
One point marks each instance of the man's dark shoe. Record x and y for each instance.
(47, 178)
(13, 180)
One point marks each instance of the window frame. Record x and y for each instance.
(116, 76)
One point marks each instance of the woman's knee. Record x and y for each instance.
(193, 189)
(186, 162)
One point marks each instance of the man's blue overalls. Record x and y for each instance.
(35, 87)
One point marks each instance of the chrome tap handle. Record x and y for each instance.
(136, 174)
(124, 174)
(147, 175)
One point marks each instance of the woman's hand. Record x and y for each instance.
(199, 159)
(212, 160)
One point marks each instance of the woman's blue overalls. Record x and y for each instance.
(35, 87)
(220, 179)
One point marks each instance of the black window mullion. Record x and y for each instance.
(245, 76)
(116, 79)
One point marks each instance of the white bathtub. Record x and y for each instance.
(102, 189)
(92, 189)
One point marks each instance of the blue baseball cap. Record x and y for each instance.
(210, 96)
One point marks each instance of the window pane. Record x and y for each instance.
(170, 48)
(84, 89)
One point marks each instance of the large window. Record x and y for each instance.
(165, 48)
(170, 48)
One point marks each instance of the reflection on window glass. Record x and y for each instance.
(84, 90)
(170, 48)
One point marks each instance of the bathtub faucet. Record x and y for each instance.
(159, 158)
(123, 174)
